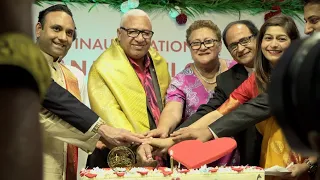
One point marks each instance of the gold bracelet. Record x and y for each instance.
(97, 126)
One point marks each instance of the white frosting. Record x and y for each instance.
(120, 169)
(135, 172)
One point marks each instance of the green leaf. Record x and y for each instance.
(194, 8)
(92, 6)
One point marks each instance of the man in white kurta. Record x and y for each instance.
(55, 136)
(55, 32)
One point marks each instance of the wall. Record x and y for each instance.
(98, 27)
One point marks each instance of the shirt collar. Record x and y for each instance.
(146, 62)
(249, 70)
(51, 61)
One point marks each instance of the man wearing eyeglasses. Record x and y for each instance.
(127, 83)
(256, 109)
(240, 39)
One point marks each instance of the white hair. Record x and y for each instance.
(133, 12)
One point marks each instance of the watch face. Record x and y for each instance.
(121, 158)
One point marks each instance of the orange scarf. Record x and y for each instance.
(72, 151)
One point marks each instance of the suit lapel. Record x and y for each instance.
(155, 84)
(161, 72)
(157, 92)
(240, 75)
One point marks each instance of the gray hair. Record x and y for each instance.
(133, 12)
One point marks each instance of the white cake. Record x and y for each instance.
(218, 173)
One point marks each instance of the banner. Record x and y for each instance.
(98, 27)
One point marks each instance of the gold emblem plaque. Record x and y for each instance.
(121, 157)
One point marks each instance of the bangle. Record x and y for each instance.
(97, 126)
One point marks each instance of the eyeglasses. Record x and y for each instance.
(207, 43)
(135, 33)
(243, 41)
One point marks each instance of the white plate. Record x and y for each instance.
(276, 171)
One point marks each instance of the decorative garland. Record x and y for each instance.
(181, 9)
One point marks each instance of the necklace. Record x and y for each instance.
(205, 79)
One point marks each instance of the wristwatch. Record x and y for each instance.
(312, 166)
(97, 126)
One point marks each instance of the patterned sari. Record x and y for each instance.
(274, 148)
(187, 89)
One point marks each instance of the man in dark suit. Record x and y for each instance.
(239, 119)
(239, 123)
(239, 38)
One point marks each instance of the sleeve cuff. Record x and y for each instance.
(94, 125)
(213, 134)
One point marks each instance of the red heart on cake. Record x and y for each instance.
(213, 170)
(120, 174)
(194, 153)
(89, 175)
(238, 169)
(143, 172)
(167, 173)
(184, 171)
(149, 168)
